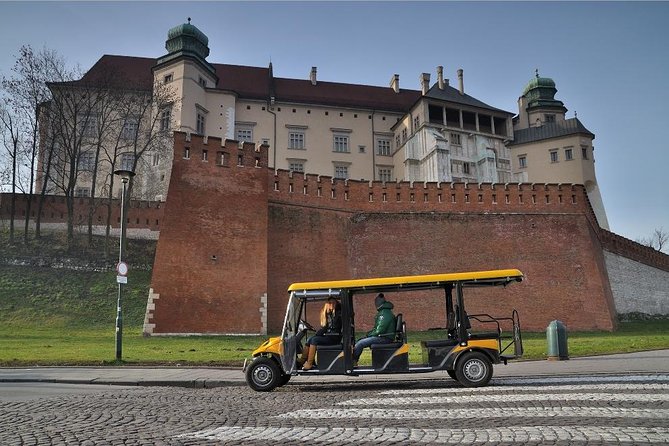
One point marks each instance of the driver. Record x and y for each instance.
(328, 334)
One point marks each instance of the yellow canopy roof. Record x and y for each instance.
(495, 277)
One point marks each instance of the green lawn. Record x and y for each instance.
(59, 317)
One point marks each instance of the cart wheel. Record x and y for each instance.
(473, 369)
(263, 375)
(451, 373)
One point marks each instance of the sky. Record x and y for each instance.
(609, 60)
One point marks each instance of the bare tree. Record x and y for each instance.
(658, 240)
(11, 142)
(74, 123)
(143, 137)
(26, 91)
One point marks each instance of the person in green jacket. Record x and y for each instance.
(383, 331)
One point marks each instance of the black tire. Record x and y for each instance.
(451, 373)
(263, 375)
(473, 369)
(283, 380)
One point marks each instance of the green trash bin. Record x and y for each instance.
(556, 336)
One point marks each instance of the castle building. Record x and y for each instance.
(350, 131)
(269, 181)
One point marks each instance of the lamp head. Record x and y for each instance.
(124, 174)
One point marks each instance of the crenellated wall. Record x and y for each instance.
(234, 234)
(143, 219)
(210, 271)
(332, 193)
(270, 228)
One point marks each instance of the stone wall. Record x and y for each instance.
(637, 287)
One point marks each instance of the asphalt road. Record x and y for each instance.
(562, 410)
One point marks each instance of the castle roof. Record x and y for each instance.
(451, 94)
(253, 83)
(550, 130)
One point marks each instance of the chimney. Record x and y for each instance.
(395, 83)
(425, 82)
(461, 82)
(312, 76)
(440, 77)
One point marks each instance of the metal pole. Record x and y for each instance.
(119, 311)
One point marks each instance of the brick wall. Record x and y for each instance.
(210, 271)
(268, 229)
(143, 219)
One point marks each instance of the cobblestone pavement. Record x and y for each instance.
(576, 410)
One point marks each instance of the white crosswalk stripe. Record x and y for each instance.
(582, 379)
(463, 399)
(512, 389)
(511, 434)
(506, 412)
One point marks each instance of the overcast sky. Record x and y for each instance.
(610, 61)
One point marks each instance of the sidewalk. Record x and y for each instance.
(651, 362)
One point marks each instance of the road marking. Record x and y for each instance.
(583, 379)
(507, 389)
(496, 412)
(556, 397)
(511, 434)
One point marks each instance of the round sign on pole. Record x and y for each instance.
(122, 268)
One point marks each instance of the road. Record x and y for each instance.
(604, 409)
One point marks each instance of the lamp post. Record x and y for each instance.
(121, 267)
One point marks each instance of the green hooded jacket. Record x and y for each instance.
(384, 322)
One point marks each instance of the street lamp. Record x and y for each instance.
(121, 267)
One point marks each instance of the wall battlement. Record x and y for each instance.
(633, 250)
(142, 214)
(218, 152)
(314, 190)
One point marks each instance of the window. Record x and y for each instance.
(404, 135)
(205, 156)
(465, 168)
(397, 140)
(155, 159)
(522, 161)
(549, 118)
(584, 152)
(87, 161)
(296, 140)
(244, 134)
(340, 144)
(165, 119)
(244, 131)
(361, 149)
(385, 174)
(89, 125)
(82, 192)
(129, 129)
(203, 82)
(186, 153)
(168, 78)
(554, 156)
(127, 161)
(568, 153)
(341, 172)
(296, 166)
(456, 139)
(201, 122)
(416, 123)
(383, 147)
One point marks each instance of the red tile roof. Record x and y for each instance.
(254, 83)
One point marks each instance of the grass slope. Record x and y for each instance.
(65, 317)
